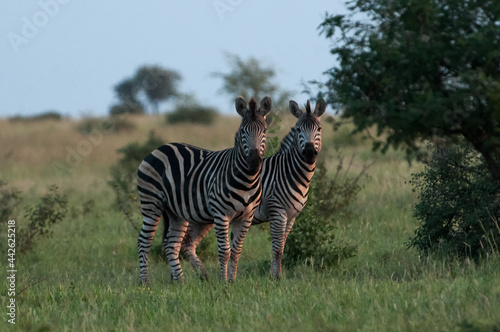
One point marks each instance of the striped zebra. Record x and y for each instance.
(285, 180)
(188, 185)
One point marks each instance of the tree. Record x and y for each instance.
(127, 91)
(157, 83)
(419, 69)
(251, 79)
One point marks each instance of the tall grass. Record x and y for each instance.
(85, 278)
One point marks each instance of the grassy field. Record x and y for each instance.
(85, 277)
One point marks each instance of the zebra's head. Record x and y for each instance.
(307, 138)
(250, 139)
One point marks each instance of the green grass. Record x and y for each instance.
(85, 277)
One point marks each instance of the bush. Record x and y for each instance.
(133, 153)
(110, 125)
(130, 108)
(312, 239)
(85, 209)
(124, 174)
(459, 205)
(10, 199)
(273, 143)
(51, 210)
(193, 114)
(49, 115)
(345, 134)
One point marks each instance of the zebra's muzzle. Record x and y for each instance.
(254, 160)
(310, 152)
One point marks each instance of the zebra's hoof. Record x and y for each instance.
(181, 281)
(178, 280)
(275, 276)
(144, 282)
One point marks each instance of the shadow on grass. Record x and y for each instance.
(478, 327)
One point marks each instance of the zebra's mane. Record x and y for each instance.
(287, 142)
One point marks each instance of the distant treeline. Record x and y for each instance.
(49, 115)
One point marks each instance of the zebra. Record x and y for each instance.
(188, 185)
(285, 180)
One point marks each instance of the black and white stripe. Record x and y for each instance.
(285, 180)
(191, 186)
(286, 177)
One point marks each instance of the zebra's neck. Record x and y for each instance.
(301, 164)
(239, 166)
(293, 157)
(296, 163)
(287, 141)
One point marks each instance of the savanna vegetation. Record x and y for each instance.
(84, 274)
(405, 239)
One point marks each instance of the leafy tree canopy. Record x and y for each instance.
(154, 82)
(418, 69)
(158, 84)
(249, 78)
(126, 90)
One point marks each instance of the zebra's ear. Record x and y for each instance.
(265, 106)
(295, 109)
(241, 105)
(320, 108)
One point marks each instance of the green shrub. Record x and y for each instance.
(459, 204)
(335, 195)
(345, 134)
(134, 153)
(273, 142)
(124, 173)
(192, 113)
(123, 108)
(49, 115)
(107, 125)
(312, 239)
(10, 199)
(51, 210)
(85, 209)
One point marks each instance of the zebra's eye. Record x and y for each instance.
(319, 128)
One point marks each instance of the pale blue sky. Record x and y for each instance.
(78, 50)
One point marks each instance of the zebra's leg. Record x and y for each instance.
(221, 231)
(238, 233)
(194, 235)
(172, 243)
(289, 226)
(144, 242)
(278, 223)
